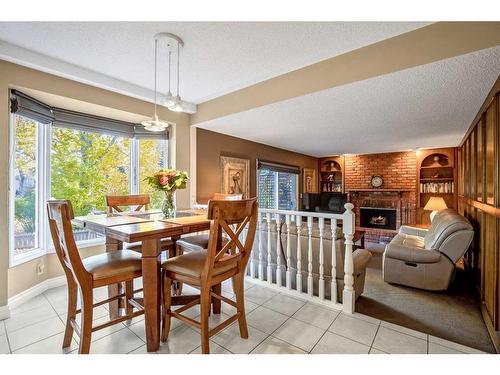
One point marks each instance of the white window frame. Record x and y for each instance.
(276, 189)
(43, 191)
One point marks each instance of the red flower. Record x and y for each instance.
(163, 180)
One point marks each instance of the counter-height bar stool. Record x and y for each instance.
(116, 203)
(84, 275)
(206, 269)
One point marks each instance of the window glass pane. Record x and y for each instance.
(85, 167)
(25, 185)
(266, 189)
(152, 157)
(287, 191)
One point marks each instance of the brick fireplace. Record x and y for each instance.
(396, 197)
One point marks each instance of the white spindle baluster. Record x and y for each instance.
(309, 257)
(348, 295)
(333, 226)
(321, 225)
(298, 223)
(288, 254)
(261, 264)
(279, 282)
(269, 254)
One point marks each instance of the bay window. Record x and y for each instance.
(277, 186)
(62, 154)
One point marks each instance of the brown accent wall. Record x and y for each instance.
(210, 146)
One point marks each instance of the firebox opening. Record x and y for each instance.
(378, 218)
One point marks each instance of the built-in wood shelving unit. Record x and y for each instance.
(331, 174)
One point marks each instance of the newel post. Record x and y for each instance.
(349, 224)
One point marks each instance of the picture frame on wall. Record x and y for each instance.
(309, 181)
(235, 177)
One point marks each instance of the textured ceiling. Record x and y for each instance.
(428, 106)
(219, 57)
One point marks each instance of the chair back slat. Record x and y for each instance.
(60, 214)
(225, 216)
(116, 202)
(227, 197)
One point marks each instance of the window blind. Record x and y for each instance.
(27, 106)
(277, 167)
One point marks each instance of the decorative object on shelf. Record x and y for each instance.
(168, 181)
(435, 204)
(235, 178)
(376, 181)
(309, 180)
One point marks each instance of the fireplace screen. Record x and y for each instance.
(378, 218)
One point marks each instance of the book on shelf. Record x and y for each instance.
(437, 187)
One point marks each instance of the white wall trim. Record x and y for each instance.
(4, 312)
(34, 291)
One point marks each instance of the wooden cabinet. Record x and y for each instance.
(436, 176)
(331, 174)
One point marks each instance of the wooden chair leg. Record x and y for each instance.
(129, 294)
(205, 313)
(239, 291)
(72, 307)
(178, 284)
(87, 318)
(167, 302)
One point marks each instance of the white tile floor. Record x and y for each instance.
(277, 324)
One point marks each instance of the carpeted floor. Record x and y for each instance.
(452, 315)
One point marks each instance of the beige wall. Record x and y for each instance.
(211, 145)
(12, 75)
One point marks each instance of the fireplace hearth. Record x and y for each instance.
(378, 218)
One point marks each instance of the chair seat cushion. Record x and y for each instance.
(137, 246)
(197, 242)
(122, 262)
(191, 264)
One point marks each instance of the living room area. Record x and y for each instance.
(166, 191)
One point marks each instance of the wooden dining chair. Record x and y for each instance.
(116, 203)
(200, 241)
(208, 268)
(84, 275)
(227, 197)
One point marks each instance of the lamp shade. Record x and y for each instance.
(435, 204)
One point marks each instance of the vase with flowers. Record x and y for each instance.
(168, 181)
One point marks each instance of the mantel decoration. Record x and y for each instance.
(235, 177)
(168, 181)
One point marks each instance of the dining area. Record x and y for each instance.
(145, 243)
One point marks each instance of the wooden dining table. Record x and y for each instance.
(149, 228)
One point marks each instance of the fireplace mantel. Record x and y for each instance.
(379, 190)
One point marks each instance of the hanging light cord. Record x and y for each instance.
(169, 65)
(156, 57)
(178, 67)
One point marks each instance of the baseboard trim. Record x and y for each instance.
(4, 312)
(34, 291)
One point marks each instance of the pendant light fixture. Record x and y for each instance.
(174, 103)
(155, 124)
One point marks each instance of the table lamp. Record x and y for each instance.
(435, 204)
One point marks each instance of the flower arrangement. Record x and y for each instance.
(168, 180)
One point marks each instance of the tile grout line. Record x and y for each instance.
(374, 337)
(324, 333)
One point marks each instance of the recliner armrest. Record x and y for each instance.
(410, 254)
(360, 258)
(412, 231)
